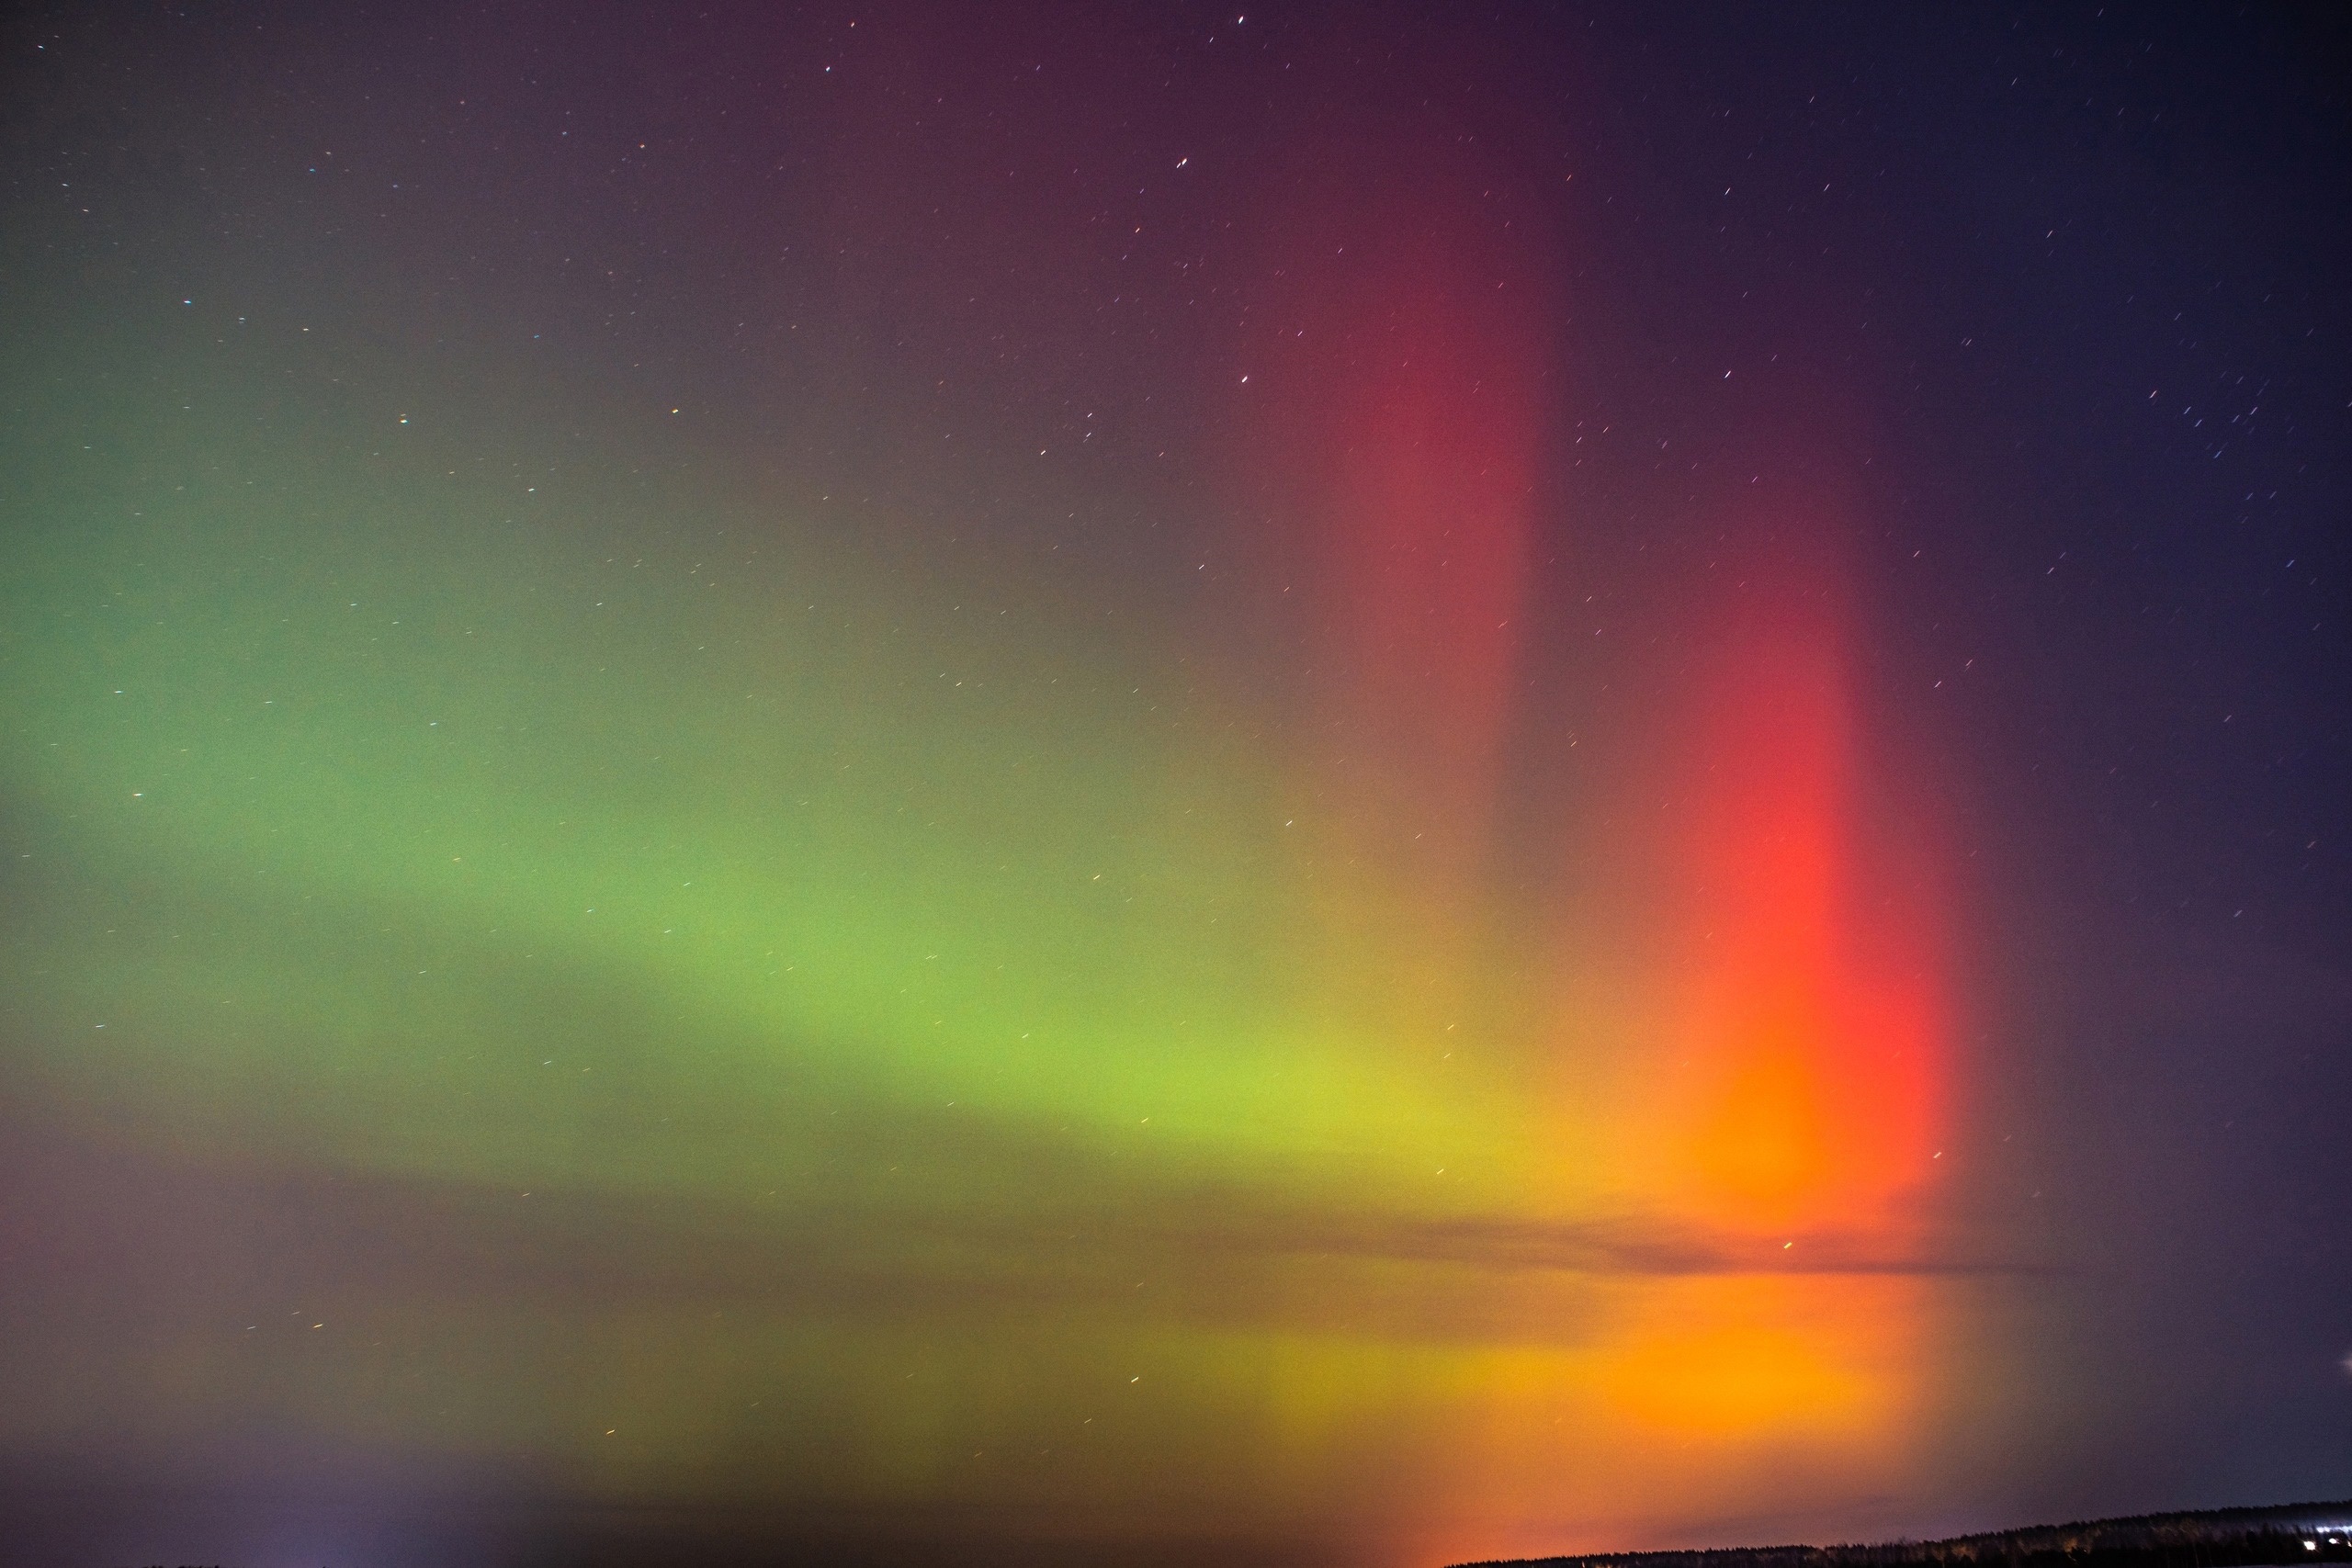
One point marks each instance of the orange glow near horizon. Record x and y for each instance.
(1777, 1065)
(1792, 1097)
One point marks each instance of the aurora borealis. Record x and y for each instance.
(1113, 785)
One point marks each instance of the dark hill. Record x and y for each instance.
(2219, 1538)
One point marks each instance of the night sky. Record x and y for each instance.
(1345, 786)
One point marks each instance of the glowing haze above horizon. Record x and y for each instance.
(1107, 784)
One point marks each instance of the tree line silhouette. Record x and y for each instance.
(2293, 1534)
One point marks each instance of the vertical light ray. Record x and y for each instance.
(1806, 1042)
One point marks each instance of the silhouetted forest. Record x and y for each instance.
(2220, 1537)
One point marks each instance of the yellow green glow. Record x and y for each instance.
(986, 1066)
